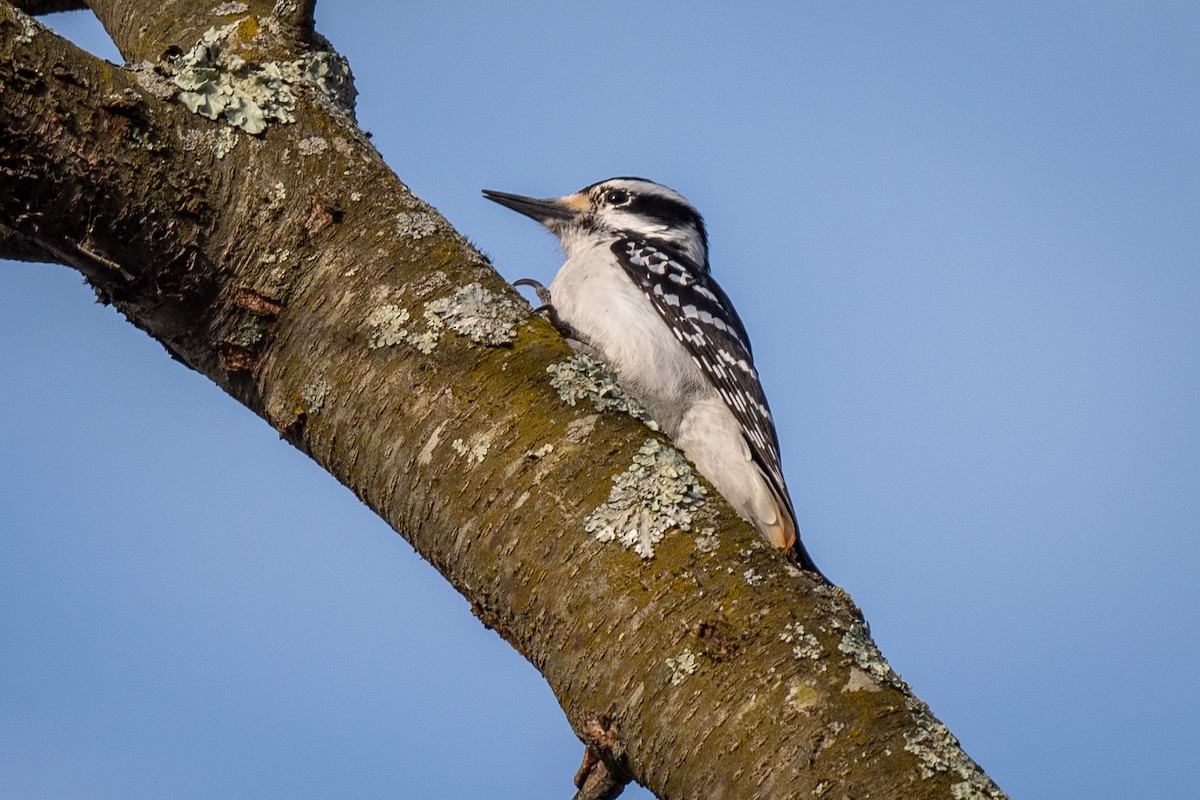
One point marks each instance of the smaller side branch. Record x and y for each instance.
(16, 247)
(142, 31)
(37, 7)
(600, 783)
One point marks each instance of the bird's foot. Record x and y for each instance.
(543, 294)
(547, 310)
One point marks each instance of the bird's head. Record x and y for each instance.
(613, 209)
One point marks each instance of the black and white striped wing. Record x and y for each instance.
(701, 316)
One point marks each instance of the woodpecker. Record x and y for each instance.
(636, 291)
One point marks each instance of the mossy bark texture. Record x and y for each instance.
(218, 194)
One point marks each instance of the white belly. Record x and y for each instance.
(596, 297)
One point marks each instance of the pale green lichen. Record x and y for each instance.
(314, 396)
(194, 139)
(473, 311)
(249, 333)
(804, 644)
(29, 27)
(707, 541)
(425, 341)
(388, 324)
(475, 452)
(937, 750)
(329, 73)
(416, 224)
(681, 666)
(391, 325)
(752, 578)
(582, 377)
(219, 84)
(220, 142)
(155, 77)
(229, 9)
(857, 643)
(223, 142)
(658, 492)
(145, 139)
(216, 83)
(313, 145)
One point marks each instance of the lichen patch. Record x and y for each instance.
(216, 83)
(857, 643)
(582, 377)
(474, 452)
(707, 541)
(681, 666)
(801, 696)
(483, 316)
(224, 141)
(329, 73)
(416, 224)
(937, 750)
(314, 396)
(658, 492)
(804, 644)
(276, 195)
(229, 9)
(390, 326)
(313, 145)
(388, 323)
(29, 27)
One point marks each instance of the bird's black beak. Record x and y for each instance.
(544, 211)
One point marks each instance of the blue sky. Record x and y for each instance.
(964, 240)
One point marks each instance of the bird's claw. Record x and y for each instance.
(547, 310)
(543, 294)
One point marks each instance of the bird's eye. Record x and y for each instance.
(616, 197)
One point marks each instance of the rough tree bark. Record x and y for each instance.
(217, 192)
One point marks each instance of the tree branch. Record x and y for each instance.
(38, 7)
(275, 28)
(271, 249)
(16, 247)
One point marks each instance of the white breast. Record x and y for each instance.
(593, 294)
